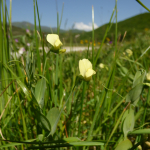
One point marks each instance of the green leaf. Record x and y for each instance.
(134, 94)
(124, 117)
(10, 145)
(40, 137)
(15, 144)
(139, 113)
(86, 143)
(40, 91)
(129, 121)
(20, 83)
(141, 131)
(139, 77)
(124, 145)
(53, 116)
(81, 143)
(124, 71)
(71, 139)
(43, 121)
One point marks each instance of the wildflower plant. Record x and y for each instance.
(44, 105)
(148, 76)
(85, 68)
(129, 52)
(54, 40)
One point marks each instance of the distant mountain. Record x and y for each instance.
(132, 25)
(18, 31)
(28, 25)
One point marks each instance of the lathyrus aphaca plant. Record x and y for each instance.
(128, 119)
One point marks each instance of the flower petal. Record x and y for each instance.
(82, 68)
(51, 38)
(87, 64)
(89, 73)
(57, 44)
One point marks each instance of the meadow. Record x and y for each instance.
(94, 99)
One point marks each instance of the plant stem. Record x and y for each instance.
(143, 5)
(83, 94)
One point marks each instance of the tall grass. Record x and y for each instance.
(44, 104)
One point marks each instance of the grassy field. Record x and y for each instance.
(57, 100)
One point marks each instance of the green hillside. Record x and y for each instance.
(28, 25)
(45, 29)
(18, 31)
(132, 25)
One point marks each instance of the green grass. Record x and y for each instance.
(44, 104)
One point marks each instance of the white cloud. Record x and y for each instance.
(82, 26)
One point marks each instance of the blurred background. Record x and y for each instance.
(77, 17)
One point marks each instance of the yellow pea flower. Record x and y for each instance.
(85, 68)
(148, 76)
(101, 65)
(54, 40)
(129, 52)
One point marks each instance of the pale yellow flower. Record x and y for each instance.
(147, 143)
(129, 52)
(84, 122)
(101, 65)
(148, 76)
(54, 40)
(85, 68)
(140, 147)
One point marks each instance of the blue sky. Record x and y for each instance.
(76, 12)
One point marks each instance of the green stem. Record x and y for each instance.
(116, 36)
(1, 56)
(93, 51)
(116, 125)
(83, 94)
(107, 29)
(56, 80)
(36, 40)
(61, 16)
(57, 66)
(143, 5)
(114, 110)
(42, 39)
(93, 36)
(23, 119)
